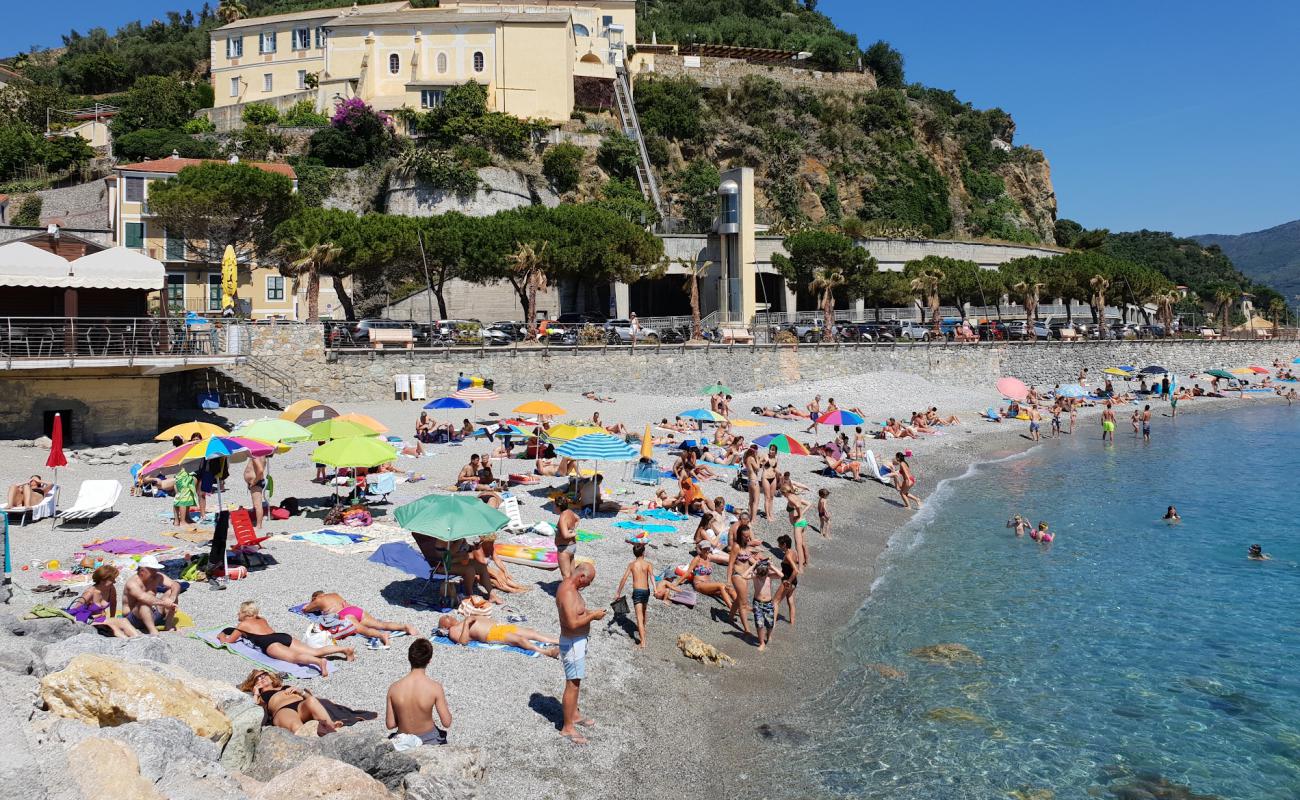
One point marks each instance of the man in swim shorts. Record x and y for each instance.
(1146, 424)
(336, 612)
(575, 625)
(151, 597)
(1034, 427)
(1108, 423)
(478, 628)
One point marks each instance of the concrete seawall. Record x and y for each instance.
(670, 370)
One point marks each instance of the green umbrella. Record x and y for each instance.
(272, 429)
(716, 388)
(450, 517)
(1221, 373)
(328, 429)
(355, 451)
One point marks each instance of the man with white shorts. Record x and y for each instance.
(575, 625)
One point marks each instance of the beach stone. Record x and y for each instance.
(372, 753)
(279, 751)
(451, 762)
(946, 654)
(53, 629)
(41, 441)
(115, 774)
(694, 647)
(422, 786)
(320, 778)
(309, 730)
(104, 692)
(1032, 794)
(245, 732)
(962, 716)
(18, 655)
(57, 655)
(30, 767)
(886, 671)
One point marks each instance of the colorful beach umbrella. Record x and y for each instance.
(1258, 370)
(448, 402)
(234, 448)
(597, 447)
(784, 444)
(838, 417)
(702, 415)
(716, 388)
(475, 393)
(540, 408)
(185, 430)
(450, 517)
(1242, 371)
(272, 429)
(1013, 388)
(566, 433)
(1072, 390)
(335, 428)
(365, 421)
(354, 451)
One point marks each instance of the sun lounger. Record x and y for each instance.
(245, 649)
(41, 510)
(93, 498)
(510, 507)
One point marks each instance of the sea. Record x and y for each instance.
(1131, 657)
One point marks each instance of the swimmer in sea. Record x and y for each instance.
(1042, 534)
(1257, 553)
(1019, 523)
(1172, 515)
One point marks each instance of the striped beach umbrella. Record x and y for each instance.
(234, 448)
(475, 393)
(784, 444)
(839, 417)
(597, 447)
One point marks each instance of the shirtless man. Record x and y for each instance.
(331, 605)
(478, 628)
(566, 536)
(467, 478)
(1035, 426)
(1146, 424)
(575, 625)
(1108, 423)
(151, 597)
(255, 478)
(814, 413)
(413, 699)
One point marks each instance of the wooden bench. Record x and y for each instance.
(1209, 333)
(400, 336)
(735, 334)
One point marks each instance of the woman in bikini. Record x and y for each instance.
(259, 633)
(287, 707)
(706, 533)
(98, 604)
(740, 557)
(904, 481)
(29, 493)
(790, 570)
(700, 575)
(771, 476)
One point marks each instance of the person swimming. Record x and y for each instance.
(1042, 534)
(1019, 523)
(1256, 553)
(1172, 515)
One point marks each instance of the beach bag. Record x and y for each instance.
(316, 636)
(619, 606)
(279, 513)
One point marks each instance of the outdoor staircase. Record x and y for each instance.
(252, 383)
(645, 174)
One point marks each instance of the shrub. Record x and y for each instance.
(28, 214)
(152, 143)
(442, 170)
(357, 135)
(885, 63)
(562, 166)
(670, 108)
(471, 155)
(260, 114)
(618, 156)
(697, 191)
(785, 337)
(656, 148)
(199, 125)
(303, 114)
(591, 335)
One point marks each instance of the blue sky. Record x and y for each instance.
(1181, 116)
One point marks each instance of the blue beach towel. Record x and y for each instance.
(648, 527)
(436, 639)
(403, 556)
(664, 514)
(246, 650)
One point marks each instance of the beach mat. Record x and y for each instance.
(340, 632)
(403, 556)
(648, 527)
(245, 650)
(193, 537)
(443, 640)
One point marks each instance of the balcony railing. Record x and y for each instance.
(32, 339)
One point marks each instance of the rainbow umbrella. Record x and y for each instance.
(475, 393)
(784, 444)
(838, 417)
(235, 448)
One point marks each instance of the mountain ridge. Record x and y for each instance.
(1269, 256)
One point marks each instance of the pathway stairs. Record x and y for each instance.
(645, 174)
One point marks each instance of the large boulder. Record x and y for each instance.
(104, 692)
(419, 786)
(279, 751)
(108, 770)
(372, 753)
(245, 732)
(320, 778)
(56, 656)
(18, 655)
(48, 629)
(451, 762)
(29, 768)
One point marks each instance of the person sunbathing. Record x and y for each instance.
(30, 493)
(336, 611)
(97, 605)
(895, 430)
(699, 573)
(780, 412)
(678, 424)
(479, 628)
(497, 569)
(840, 466)
(932, 417)
(597, 398)
(469, 563)
(589, 491)
(258, 632)
(617, 429)
(287, 707)
(918, 423)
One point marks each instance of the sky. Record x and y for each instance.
(1176, 115)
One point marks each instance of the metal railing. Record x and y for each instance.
(28, 339)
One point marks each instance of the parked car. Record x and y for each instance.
(515, 330)
(1020, 330)
(913, 332)
(619, 331)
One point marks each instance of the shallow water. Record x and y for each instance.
(1129, 652)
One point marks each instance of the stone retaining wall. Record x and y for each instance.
(670, 370)
(720, 72)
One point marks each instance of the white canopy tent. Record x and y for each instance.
(118, 268)
(22, 264)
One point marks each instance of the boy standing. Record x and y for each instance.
(764, 611)
(642, 573)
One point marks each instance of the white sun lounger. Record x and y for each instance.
(41, 510)
(93, 498)
(510, 507)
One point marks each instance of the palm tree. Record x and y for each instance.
(1165, 300)
(1028, 288)
(826, 280)
(1224, 296)
(231, 11)
(1099, 284)
(310, 258)
(1277, 309)
(925, 288)
(694, 271)
(527, 264)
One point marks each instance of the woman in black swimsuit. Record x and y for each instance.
(789, 577)
(286, 707)
(253, 627)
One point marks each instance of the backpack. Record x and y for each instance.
(290, 504)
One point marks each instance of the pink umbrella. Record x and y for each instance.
(1013, 388)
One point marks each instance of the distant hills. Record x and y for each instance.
(1269, 256)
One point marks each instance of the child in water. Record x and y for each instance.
(1042, 534)
(1020, 524)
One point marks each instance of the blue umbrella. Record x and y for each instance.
(448, 402)
(1072, 390)
(703, 415)
(598, 447)
(1154, 370)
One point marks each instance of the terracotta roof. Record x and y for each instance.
(319, 13)
(175, 165)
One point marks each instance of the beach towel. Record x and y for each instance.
(194, 537)
(341, 630)
(331, 538)
(246, 650)
(403, 556)
(664, 514)
(485, 646)
(126, 547)
(588, 536)
(648, 527)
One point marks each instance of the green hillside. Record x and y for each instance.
(1269, 256)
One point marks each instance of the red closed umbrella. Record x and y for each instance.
(56, 458)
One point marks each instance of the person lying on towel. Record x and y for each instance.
(482, 629)
(336, 611)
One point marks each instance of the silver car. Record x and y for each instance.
(620, 332)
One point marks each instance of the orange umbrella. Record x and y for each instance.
(540, 408)
(366, 421)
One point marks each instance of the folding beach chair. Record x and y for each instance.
(379, 486)
(93, 498)
(647, 473)
(438, 556)
(247, 542)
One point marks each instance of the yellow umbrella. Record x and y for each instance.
(229, 278)
(745, 423)
(565, 433)
(647, 444)
(367, 421)
(187, 429)
(1117, 371)
(541, 408)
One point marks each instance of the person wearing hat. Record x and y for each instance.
(151, 597)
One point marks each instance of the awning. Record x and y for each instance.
(118, 268)
(22, 264)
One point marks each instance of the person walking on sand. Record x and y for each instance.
(575, 626)
(1108, 423)
(642, 573)
(1034, 427)
(412, 701)
(1146, 424)
(814, 413)
(904, 481)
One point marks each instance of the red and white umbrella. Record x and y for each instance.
(475, 393)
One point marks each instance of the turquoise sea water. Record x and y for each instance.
(1128, 656)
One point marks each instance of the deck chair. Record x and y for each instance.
(379, 486)
(247, 542)
(510, 507)
(41, 510)
(647, 473)
(93, 498)
(438, 556)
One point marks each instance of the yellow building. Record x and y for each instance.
(531, 56)
(263, 292)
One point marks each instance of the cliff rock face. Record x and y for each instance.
(1030, 185)
(500, 190)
